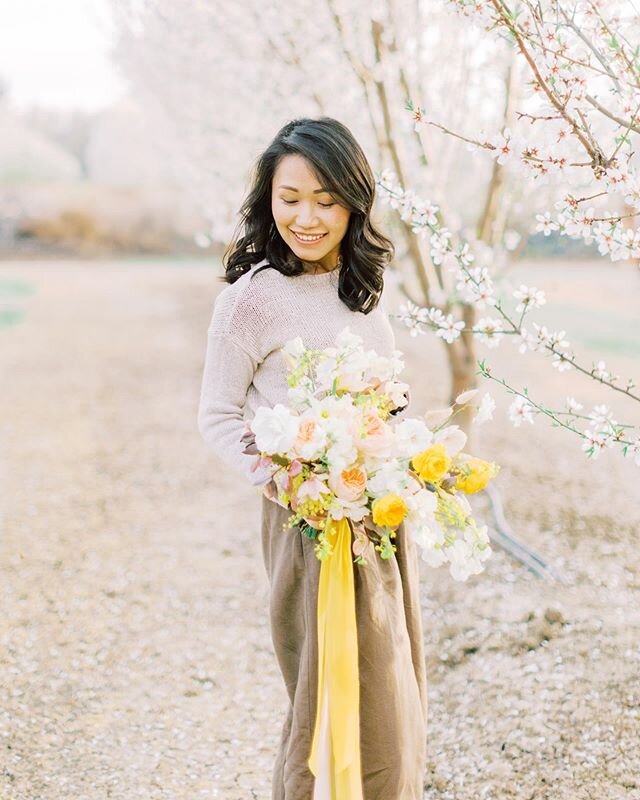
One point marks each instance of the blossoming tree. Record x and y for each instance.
(225, 76)
(568, 133)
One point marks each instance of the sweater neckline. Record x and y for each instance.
(316, 274)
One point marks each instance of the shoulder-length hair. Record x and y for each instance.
(342, 167)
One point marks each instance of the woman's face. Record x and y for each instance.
(307, 217)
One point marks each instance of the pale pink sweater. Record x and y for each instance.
(243, 369)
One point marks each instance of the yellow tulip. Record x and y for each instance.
(432, 464)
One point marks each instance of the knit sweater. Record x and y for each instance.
(243, 369)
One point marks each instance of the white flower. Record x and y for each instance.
(275, 429)
(428, 535)
(489, 331)
(396, 391)
(449, 330)
(573, 405)
(520, 411)
(310, 447)
(485, 410)
(462, 564)
(453, 438)
(475, 286)
(556, 339)
(595, 441)
(356, 510)
(341, 452)
(346, 340)
(422, 507)
(299, 396)
(412, 436)
(439, 245)
(390, 476)
(380, 367)
(479, 540)
(561, 362)
(542, 335)
(504, 150)
(546, 224)
(602, 417)
(465, 256)
(525, 341)
(529, 297)
(294, 347)
(434, 556)
(327, 370)
(600, 371)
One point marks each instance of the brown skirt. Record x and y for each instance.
(393, 689)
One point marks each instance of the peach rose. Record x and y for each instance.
(349, 484)
(374, 436)
(305, 432)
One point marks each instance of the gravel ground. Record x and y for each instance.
(135, 658)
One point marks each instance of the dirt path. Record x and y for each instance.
(135, 659)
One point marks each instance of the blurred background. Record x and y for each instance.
(135, 658)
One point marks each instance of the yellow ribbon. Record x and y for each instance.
(338, 665)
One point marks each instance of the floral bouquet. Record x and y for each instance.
(352, 474)
(337, 452)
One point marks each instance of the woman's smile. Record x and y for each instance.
(308, 238)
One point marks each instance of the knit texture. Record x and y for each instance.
(243, 370)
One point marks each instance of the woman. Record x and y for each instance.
(307, 261)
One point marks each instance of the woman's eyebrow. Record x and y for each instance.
(315, 191)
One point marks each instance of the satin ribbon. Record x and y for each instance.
(338, 667)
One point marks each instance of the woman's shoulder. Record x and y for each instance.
(247, 302)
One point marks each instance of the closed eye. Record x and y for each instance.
(324, 205)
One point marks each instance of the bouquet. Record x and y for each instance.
(352, 473)
(337, 452)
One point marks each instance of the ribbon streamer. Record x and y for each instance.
(338, 670)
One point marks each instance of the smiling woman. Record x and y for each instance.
(309, 209)
(309, 263)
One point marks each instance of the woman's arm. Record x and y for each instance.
(228, 373)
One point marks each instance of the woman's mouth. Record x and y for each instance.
(305, 238)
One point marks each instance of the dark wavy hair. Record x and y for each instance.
(342, 167)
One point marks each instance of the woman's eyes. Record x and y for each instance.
(324, 205)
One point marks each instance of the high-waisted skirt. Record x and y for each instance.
(393, 688)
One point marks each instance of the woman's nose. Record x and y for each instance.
(306, 216)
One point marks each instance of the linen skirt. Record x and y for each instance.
(393, 687)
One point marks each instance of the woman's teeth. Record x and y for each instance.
(307, 239)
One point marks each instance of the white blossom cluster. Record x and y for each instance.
(475, 287)
(582, 109)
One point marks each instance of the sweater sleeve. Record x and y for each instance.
(228, 373)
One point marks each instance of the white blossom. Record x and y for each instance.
(595, 441)
(520, 411)
(489, 331)
(561, 362)
(529, 297)
(546, 224)
(485, 410)
(600, 371)
(449, 329)
(602, 417)
(573, 405)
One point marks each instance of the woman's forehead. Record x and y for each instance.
(295, 173)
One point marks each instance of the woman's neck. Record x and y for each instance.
(317, 267)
